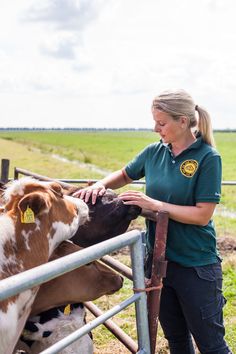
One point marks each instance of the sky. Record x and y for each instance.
(99, 63)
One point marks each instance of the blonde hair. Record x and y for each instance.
(179, 103)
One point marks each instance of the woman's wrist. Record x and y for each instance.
(99, 184)
(158, 206)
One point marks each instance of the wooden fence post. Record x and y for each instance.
(159, 265)
(5, 170)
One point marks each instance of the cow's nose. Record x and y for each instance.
(121, 281)
(116, 284)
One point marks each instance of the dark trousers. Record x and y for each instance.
(191, 304)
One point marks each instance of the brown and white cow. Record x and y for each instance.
(36, 219)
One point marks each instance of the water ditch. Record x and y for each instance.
(81, 164)
(221, 211)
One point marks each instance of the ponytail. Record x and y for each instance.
(204, 126)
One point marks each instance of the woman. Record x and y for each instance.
(183, 177)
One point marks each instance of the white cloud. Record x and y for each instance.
(104, 60)
(64, 15)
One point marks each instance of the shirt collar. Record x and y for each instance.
(195, 145)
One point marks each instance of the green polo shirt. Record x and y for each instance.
(191, 177)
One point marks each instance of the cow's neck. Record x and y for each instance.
(32, 241)
(18, 241)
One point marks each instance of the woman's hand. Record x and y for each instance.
(140, 199)
(97, 189)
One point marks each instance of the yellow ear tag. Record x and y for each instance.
(67, 310)
(28, 216)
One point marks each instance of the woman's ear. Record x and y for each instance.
(183, 121)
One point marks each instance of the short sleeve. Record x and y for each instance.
(208, 188)
(135, 169)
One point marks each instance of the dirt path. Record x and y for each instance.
(227, 245)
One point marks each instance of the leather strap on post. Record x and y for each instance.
(151, 288)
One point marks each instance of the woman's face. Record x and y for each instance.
(170, 130)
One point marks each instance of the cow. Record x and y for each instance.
(108, 217)
(52, 326)
(86, 283)
(36, 219)
(47, 322)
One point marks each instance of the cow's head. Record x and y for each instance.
(85, 283)
(109, 217)
(40, 209)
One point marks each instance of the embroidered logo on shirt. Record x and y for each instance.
(188, 168)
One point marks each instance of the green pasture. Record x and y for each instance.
(93, 154)
(110, 150)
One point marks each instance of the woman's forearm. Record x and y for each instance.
(116, 180)
(200, 214)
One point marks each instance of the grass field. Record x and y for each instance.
(94, 154)
(111, 150)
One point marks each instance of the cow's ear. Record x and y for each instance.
(56, 188)
(70, 191)
(34, 201)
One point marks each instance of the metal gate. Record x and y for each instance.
(25, 280)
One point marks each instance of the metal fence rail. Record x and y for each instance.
(25, 280)
(5, 163)
(24, 172)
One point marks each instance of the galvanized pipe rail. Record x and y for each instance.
(64, 182)
(33, 277)
(5, 163)
(55, 348)
(118, 266)
(113, 328)
(24, 172)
